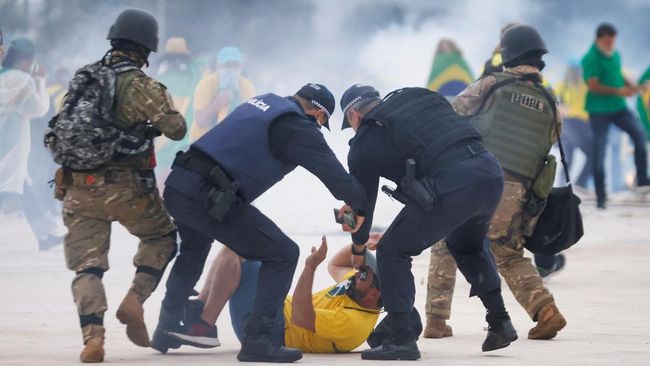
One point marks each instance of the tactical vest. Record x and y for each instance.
(145, 159)
(517, 126)
(422, 125)
(240, 144)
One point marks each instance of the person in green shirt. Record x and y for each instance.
(605, 103)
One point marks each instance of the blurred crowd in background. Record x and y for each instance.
(217, 55)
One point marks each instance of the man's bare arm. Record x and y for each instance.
(341, 264)
(303, 314)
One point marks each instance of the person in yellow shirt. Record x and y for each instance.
(218, 93)
(336, 319)
(576, 133)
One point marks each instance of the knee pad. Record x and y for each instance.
(90, 319)
(155, 272)
(96, 271)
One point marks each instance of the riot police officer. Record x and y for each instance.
(209, 194)
(450, 186)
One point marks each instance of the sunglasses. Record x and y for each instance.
(363, 275)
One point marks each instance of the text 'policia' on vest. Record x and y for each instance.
(516, 126)
(255, 168)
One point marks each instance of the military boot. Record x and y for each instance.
(131, 314)
(500, 333)
(93, 351)
(167, 321)
(400, 344)
(437, 328)
(260, 346)
(550, 321)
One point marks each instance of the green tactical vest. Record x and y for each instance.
(516, 127)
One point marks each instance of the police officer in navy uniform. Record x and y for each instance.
(209, 194)
(450, 185)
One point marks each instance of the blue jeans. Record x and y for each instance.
(242, 302)
(577, 134)
(627, 122)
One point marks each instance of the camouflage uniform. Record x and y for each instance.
(507, 230)
(124, 191)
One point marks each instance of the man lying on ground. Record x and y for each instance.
(336, 319)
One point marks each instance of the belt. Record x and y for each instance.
(101, 177)
(195, 161)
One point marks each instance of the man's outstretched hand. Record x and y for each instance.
(317, 256)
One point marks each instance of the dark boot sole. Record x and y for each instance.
(163, 345)
(403, 356)
(260, 358)
(500, 346)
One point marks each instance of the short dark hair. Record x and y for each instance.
(605, 29)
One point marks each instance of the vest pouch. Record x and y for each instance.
(543, 183)
(62, 181)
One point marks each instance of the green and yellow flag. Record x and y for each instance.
(643, 102)
(450, 74)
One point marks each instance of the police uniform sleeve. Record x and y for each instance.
(298, 141)
(366, 174)
(152, 102)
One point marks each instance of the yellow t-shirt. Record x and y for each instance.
(341, 324)
(572, 97)
(207, 90)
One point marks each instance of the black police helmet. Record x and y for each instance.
(520, 39)
(138, 26)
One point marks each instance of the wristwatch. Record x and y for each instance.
(362, 252)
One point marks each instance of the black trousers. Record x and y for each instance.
(463, 218)
(250, 234)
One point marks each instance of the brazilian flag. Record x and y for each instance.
(450, 74)
(643, 102)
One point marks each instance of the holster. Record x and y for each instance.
(422, 191)
(223, 201)
(62, 180)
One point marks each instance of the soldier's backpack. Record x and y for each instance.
(85, 135)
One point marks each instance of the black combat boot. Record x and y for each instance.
(500, 332)
(167, 321)
(260, 346)
(400, 344)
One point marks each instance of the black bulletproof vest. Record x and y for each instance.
(422, 125)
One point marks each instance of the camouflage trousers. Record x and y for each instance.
(507, 230)
(91, 203)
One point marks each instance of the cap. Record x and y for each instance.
(177, 46)
(23, 46)
(371, 262)
(320, 97)
(352, 96)
(228, 54)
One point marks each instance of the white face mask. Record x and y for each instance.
(229, 78)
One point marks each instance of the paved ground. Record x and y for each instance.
(603, 294)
